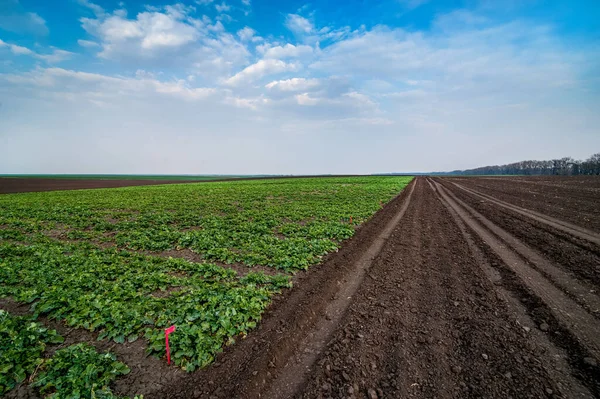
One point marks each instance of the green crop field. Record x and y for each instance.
(112, 261)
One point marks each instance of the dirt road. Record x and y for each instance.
(452, 291)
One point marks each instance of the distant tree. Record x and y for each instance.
(575, 167)
(566, 166)
(594, 162)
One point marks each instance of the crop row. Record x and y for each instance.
(288, 224)
(74, 371)
(122, 295)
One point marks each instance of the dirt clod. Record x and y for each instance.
(590, 361)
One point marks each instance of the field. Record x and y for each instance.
(36, 183)
(114, 267)
(353, 287)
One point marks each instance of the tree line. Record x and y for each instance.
(564, 167)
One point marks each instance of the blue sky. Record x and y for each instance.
(256, 86)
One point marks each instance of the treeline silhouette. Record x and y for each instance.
(564, 167)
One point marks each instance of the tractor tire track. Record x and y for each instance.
(581, 292)
(518, 299)
(291, 377)
(577, 257)
(572, 317)
(428, 324)
(567, 227)
(573, 199)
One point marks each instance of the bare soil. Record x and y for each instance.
(570, 198)
(33, 184)
(430, 322)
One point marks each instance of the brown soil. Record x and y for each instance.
(429, 323)
(578, 254)
(445, 292)
(571, 198)
(32, 184)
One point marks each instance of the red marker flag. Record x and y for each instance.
(168, 331)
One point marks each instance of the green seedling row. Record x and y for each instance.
(22, 344)
(77, 371)
(125, 296)
(287, 224)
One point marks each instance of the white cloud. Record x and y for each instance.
(87, 43)
(260, 69)
(288, 51)
(246, 2)
(298, 24)
(147, 36)
(69, 83)
(456, 60)
(305, 99)
(35, 20)
(156, 119)
(168, 37)
(411, 95)
(219, 56)
(250, 103)
(246, 33)
(360, 99)
(294, 84)
(369, 121)
(56, 56)
(222, 7)
(95, 8)
(429, 90)
(346, 101)
(19, 50)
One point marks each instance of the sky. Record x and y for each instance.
(295, 87)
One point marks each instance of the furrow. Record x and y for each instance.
(572, 316)
(296, 370)
(583, 293)
(566, 227)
